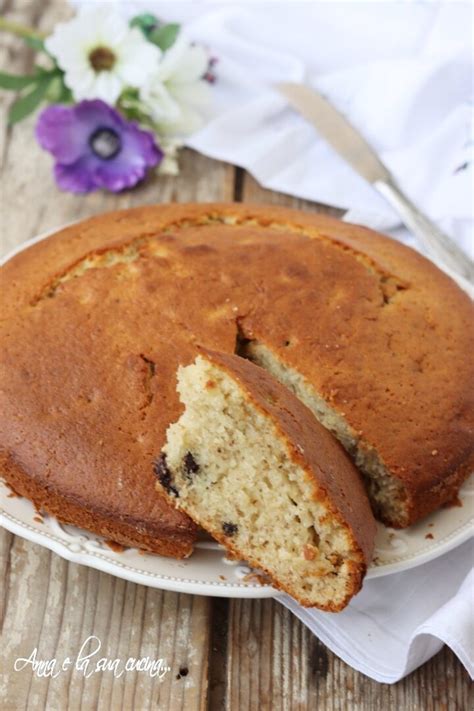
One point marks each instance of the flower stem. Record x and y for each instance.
(20, 30)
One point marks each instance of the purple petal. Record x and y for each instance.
(59, 132)
(64, 131)
(139, 152)
(115, 177)
(138, 149)
(78, 177)
(95, 113)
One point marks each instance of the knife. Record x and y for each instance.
(351, 146)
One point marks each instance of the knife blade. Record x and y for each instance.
(352, 146)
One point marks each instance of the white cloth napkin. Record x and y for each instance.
(398, 622)
(402, 72)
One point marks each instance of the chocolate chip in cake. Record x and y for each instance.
(230, 529)
(190, 465)
(164, 475)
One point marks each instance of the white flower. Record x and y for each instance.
(101, 55)
(176, 94)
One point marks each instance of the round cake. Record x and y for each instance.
(372, 337)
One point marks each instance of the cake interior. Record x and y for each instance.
(386, 494)
(231, 470)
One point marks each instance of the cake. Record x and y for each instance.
(97, 318)
(250, 463)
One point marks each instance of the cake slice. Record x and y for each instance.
(251, 464)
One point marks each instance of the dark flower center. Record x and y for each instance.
(106, 143)
(102, 59)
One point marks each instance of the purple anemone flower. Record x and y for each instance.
(95, 147)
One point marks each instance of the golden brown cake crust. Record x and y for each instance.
(128, 532)
(313, 449)
(98, 317)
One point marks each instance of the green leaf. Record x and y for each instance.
(65, 96)
(15, 82)
(41, 71)
(35, 43)
(131, 113)
(164, 37)
(145, 22)
(131, 107)
(58, 92)
(129, 94)
(27, 103)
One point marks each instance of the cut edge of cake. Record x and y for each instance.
(250, 464)
(393, 501)
(389, 498)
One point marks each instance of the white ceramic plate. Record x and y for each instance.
(208, 571)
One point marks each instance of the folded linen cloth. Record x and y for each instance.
(398, 622)
(402, 73)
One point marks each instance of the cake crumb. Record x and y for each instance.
(38, 519)
(259, 578)
(116, 547)
(309, 552)
(453, 503)
(429, 535)
(12, 493)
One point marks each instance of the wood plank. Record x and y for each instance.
(251, 191)
(55, 606)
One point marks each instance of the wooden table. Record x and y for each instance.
(232, 654)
